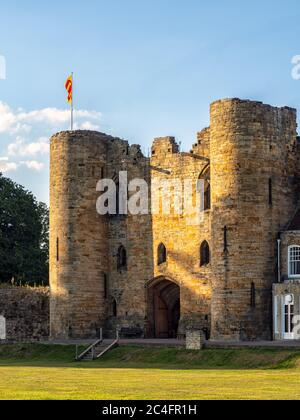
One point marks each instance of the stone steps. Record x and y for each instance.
(98, 350)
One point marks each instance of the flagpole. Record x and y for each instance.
(72, 104)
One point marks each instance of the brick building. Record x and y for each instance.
(157, 274)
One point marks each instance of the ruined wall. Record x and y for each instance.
(253, 150)
(26, 311)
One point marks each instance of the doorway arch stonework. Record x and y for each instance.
(163, 308)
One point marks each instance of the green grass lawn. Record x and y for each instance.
(49, 372)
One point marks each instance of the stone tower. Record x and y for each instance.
(78, 235)
(253, 172)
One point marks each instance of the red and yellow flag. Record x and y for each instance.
(69, 88)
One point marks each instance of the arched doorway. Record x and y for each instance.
(163, 309)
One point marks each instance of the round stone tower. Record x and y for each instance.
(78, 235)
(253, 169)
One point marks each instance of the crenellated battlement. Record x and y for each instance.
(164, 146)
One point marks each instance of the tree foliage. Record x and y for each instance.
(24, 236)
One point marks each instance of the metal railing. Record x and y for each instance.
(114, 344)
(91, 348)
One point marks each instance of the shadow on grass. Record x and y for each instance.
(136, 357)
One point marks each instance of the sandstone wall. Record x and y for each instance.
(88, 244)
(26, 311)
(78, 235)
(251, 145)
(181, 236)
(128, 287)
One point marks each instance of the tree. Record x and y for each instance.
(24, 236)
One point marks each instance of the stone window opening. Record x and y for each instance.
(225, 239)
(57, 249)
(105, 285)
(270, 192)
(115, 178)
(117, 199)
(294, 261)
(114, 308)
(122, 258)
(162, 254)
(205, 176)
(253, 296)
(204, 254)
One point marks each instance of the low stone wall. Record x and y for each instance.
(26, 313)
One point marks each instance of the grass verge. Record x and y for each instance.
(39, 372)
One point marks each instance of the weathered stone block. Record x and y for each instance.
(195, 340)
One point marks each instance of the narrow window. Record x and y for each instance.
(115, 308)
(57, 249)
(115, 179)
(122, 258)
(118, 199)
(105, 283)
(204, 254)
(207, 194)
(205, 177)
(253, 296)
(225, 239)
(162, 254)
(270, 192)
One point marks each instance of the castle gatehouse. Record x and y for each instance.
(232, 271)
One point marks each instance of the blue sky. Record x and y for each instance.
(142, 69)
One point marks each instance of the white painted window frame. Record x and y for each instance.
(290, 275)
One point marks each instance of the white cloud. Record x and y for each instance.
(7, 118)
(25, 134)
(87, 125)
(34, 165)
(20, 148)
(20, 121)
(8, 166)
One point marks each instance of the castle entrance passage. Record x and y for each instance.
(163, 309)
